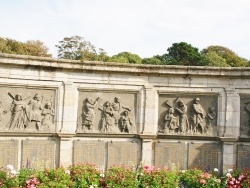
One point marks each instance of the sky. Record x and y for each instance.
(143, 27)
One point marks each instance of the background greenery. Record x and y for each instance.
(77, 48)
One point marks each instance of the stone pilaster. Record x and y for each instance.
(70, 108)
(150, 110)
(65, 149)
(147, 149)
(232, 124)
(229, 153)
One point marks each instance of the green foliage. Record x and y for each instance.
(152, 177)
(121, 177)
(87, 176)
(213, 59)
(24, 174)
(183, 54)
(7, 179)
(155, 60)
(224, 56)
(126, 57)
(31, 47)
(54, 178)
(84, 175)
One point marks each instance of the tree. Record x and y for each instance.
(213, 59)
(77, 48)
(31, 47)
(230, 57)
(126, 57)
(36, 48)
(183, 54)
(155, 60)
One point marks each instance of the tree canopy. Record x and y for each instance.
(30, 47)
(222, 56)
(77, 48)
(126, 57)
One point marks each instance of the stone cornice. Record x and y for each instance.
(51, 64)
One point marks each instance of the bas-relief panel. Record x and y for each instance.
(106, 112)
(188, 114)
(245, 115)
(26, 109)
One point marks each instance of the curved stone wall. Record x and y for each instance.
(60, 112)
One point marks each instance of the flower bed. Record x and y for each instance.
(88, 176)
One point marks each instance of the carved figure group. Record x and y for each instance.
(113, 114)
(23, 112)
(176, 121)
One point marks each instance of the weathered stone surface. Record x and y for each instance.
(27, 109)
(38, 153)
(106, 112)
(122, 153)
(89, 151)
(9, 153)
(243, 156)
(184, 114)
(204, 156)
(168, 154)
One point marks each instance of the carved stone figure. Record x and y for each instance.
(89, 114)
(197, 116)
(181, 110)
(170, 124)
(19, 118)
(107, 119)
(211, 115)
(48, 114)
(117, 107)
(126, 122)
(35, 111)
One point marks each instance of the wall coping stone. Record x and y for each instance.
(52, 64)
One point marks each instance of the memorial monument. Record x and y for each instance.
(60, 112)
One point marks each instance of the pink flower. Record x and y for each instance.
(218, 180)
(202, 181)
(228, 175)
(206, 175)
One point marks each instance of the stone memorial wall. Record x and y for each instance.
(60, 112)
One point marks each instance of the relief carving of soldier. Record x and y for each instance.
(210, 118)
(197, 116)
(35, 111)
(126, 122)
(89, 113)
(47, 117)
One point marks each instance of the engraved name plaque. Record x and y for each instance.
(204, 156)
(243, 157)
(167, 154)
(122, 153)
(9, 153)
(38, 153)
(92, 152)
